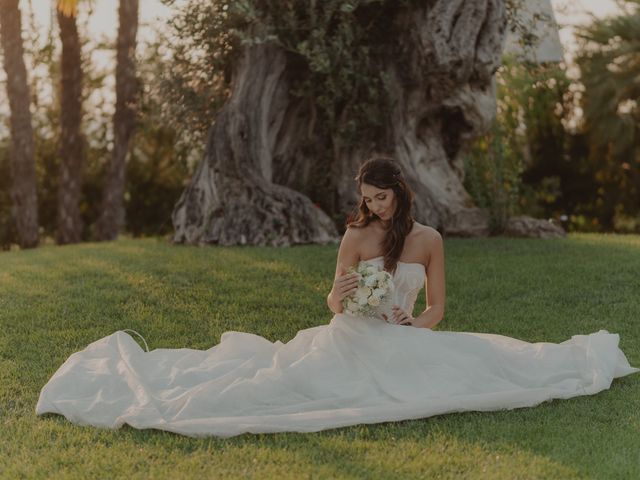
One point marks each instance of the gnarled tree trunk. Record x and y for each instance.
(70, 222)
(446, 99)
(440, 73)
(21, 151)
(232, 199)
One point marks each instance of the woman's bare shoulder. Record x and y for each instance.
(353, 236)
(358, 232)
(427, 232)
(430, 239)
(353, 231)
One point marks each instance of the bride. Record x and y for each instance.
(356, 369)
(384, 223)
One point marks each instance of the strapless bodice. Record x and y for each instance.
(408, 280)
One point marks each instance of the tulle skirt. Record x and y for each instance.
(351, 371)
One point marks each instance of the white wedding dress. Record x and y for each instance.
(353, 370)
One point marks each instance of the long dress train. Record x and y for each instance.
(353, 370)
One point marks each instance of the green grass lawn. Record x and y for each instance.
(56, 300)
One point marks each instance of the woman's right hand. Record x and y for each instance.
(346, 285)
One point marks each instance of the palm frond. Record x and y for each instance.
(610, 72)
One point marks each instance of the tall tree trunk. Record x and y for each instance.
(72, 153)
(112, 218)
(21, 150)
(440, 70)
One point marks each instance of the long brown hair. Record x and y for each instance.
(384, 172)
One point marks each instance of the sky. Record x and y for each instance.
(104, 19)
(570, 13)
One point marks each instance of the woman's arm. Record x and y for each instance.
(347, 256)
(435, 284)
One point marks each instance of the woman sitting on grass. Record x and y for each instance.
(384, 224)
(373, 362)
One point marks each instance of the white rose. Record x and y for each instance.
(381, 276)
(352, 306)
(371, 270)
(362, 292)
(374, 301)
(378, 293)
(371, 281)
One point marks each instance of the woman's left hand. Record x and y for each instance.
(400, 317)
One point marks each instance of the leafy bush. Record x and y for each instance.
(493, 177)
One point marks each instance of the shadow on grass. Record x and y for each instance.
(552, 439)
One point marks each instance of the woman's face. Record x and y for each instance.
(381, 202)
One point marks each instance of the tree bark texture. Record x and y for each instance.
(70, 224)
(444, 97)
(440, 72)
(21, 150)
(112, 217)
(232, 199)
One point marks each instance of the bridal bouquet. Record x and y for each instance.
(374, 289)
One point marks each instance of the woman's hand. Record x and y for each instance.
(400, 317)
(346, 285)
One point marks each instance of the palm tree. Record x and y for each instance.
(72, 153)
(21, 152)
(112, 218)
